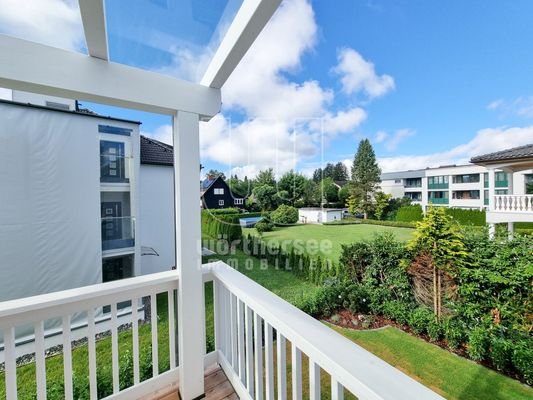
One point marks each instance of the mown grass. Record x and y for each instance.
(336, 235)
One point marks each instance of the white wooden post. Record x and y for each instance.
(492, 191)
(188, 255)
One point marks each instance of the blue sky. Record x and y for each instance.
(428, 82)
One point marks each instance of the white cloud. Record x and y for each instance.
(485, 141)
(52, 22)
(163, 133)
(283, 123)
(391, 142)
(358, 74)
(521, 106)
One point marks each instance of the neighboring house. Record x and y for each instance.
(69, 196)
(516, 204)
(461, 186)
(215, 193)
(317, 215)
(156, 217)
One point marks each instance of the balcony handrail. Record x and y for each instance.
(512, 203)
(359, 371)
(50, 305)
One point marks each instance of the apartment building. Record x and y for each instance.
(462, 186)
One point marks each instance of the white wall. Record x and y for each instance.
(330, 216)
(49, 202)
(40, 99)
(156, 217)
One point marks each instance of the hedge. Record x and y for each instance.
(411, 213)
(398, 224)
(467, 217)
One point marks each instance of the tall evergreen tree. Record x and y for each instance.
(340, 172)
(366, 178)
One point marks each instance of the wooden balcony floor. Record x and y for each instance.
(217, 387)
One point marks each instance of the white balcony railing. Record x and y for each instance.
(513, 203)
(249, 317)
(248, 321)
(90, 301)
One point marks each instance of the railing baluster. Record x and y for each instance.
(114, 347)
(155, 344)
(337, 390)
(227, 324)
(269, 363)
(282, 366)
(10, 364)
(92, 354)
(240, 333)
(135, 339)
(171, 329)
(258, 350)
(40, 362)
(249, 351)
(296, 373)
(67, 359)
(314, 381)
(233, 330)
(217, 304)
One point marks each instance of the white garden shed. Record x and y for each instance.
(319, 215)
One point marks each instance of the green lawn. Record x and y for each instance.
(332, 235)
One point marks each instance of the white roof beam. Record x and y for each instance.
(250, 20)
(48, 70)
(94, 26)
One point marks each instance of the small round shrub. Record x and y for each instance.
(285, 215)
(420, 319)
(397, 311)
(264, 226)
(522, 359)
(356, 299)
(500, 352)
(478, 343)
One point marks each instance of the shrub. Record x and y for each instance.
(80, 387)
(500, 352)
(434, 330)
(327, 300)
(453, 332)
(398, 224)
(356, 299)
(411, 213)
(224, 226)
(420, 319)
(223, 211)
(478, 342)
(522, 359)
(285, 215)
(397, 311)
(264, 226)
(104, 382)
(126, 371)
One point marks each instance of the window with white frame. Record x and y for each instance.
(221, 202)
(238, 201)
(219, 190)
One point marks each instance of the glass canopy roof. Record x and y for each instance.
(175, 37)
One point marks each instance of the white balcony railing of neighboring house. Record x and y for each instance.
(513, 203)
(249, 321)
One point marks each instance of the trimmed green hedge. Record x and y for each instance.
(467, 217)
(398, 224)
(411, 213)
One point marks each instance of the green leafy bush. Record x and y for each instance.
(264, 226)
(454, 333)
(224, 211)
(397, 224)
(434, 330)
(285, 215)
(478, 342)
(500, 352)
(522, 359)
(420, 319)
(356, 299)
(397, 311)
(410, 213)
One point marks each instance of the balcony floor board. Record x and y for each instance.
(217, 387)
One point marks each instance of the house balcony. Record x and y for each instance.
(118, 233)
(511, 208)
(259, 338)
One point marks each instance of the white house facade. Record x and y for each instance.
(318, 215)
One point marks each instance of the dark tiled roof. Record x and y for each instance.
(515, 153)
(206, 183)
(156, 152)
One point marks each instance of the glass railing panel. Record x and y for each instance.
(115, 168)
(118, 232)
